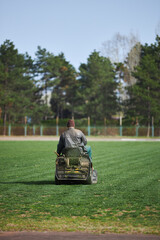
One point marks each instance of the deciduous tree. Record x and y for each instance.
(144, 100)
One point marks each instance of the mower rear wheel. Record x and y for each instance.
(57, 182)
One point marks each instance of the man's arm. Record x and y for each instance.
(60, 145)
(84, 139)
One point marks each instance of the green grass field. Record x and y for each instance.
(125, 199)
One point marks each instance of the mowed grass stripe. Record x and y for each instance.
(25, 158)
(130, 159)
(126, 193)
(135, 173)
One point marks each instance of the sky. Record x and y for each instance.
(75, 27)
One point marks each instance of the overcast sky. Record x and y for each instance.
(75, 27)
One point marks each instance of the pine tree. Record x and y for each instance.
(98, 87)
(14, 82)
(19, 95)
(64, 92)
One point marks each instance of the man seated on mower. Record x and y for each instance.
(72, 138)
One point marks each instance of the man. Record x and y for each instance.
(73, 138)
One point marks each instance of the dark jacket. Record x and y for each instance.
(71, 138)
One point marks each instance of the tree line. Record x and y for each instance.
(49, 86)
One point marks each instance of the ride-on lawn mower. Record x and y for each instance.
(73, 165)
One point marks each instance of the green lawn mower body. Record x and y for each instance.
(73, 165)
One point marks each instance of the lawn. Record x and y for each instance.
(125, 199)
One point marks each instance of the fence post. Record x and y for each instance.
(137, 127)
(57, 128)
(34, 130)
(9, 130)
(152, 126)
(120, 128)
(25, 130)
(41, 130)
(89, 127)
(152, 131)
(105, 128)
(120, 131)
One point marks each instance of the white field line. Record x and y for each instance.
(140, 140)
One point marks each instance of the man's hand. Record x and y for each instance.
(56, 153)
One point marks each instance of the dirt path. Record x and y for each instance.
(72, 236)
(55, 138)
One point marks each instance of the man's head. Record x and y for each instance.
(70, 123)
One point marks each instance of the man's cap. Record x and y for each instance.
(71, 123)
